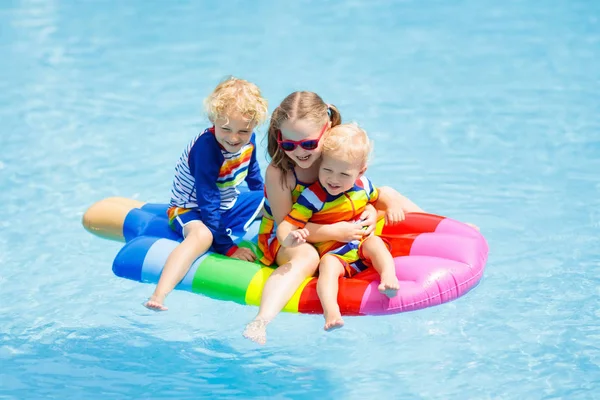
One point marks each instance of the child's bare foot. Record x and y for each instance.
(256, 331)
(333, 320)
(155, 303)
(389, 285)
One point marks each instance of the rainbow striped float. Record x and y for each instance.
(437, 260)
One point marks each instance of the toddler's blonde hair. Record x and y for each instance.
(234, 94)
(348, 142)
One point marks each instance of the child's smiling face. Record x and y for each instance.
(233, 131)
(301, 130)
(337, 173)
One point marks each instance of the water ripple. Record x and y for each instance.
(481, 111)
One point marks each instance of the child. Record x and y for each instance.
(205, 200)
(294, 143)
(340, 194)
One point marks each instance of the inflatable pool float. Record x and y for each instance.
(437, 260)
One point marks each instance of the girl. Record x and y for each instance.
(294, 145)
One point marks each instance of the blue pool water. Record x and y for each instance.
(481, 110)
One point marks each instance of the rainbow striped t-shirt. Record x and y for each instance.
(207, 178)
(318, 206)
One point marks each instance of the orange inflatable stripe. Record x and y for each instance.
(414, 223)
(349, 297)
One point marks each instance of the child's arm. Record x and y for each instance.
(393, 204)
(343, 231)
(291, 231)
(290, 235)
(390, 197)
(254, 179)
(369, 219)
(205, 161)
(280, 200)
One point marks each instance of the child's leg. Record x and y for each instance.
(295, 265)
(375, 250)
(330, 271)
(197, 241)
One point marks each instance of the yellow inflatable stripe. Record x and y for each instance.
(254, 291)
(379, 226)
(292, 305)
(255, 287)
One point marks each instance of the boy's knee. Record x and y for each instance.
(197, 231)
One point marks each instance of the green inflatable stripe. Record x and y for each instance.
(252, 246)
(225, 278)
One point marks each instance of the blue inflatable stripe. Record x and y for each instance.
(157, 254)
(160, 210)
(128, 262)
(140, 222)
(135, 222)
(160, 227)
(155, 260)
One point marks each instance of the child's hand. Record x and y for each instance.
(295, 238)
(245, 254)
(393, 215)
(349, 231)
(368, 219)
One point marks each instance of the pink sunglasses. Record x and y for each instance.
(307, 144)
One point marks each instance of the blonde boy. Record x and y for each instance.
(205, 200)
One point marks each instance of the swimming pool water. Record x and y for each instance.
(483, 111)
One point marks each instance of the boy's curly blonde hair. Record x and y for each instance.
(234, 94)
(348, 142)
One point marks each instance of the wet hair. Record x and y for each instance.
(297, 106)
(348, 142)
(236, 95)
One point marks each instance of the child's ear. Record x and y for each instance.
(362, 172)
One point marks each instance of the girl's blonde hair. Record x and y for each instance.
(234, 94)
(297, 106)
(348, 142)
